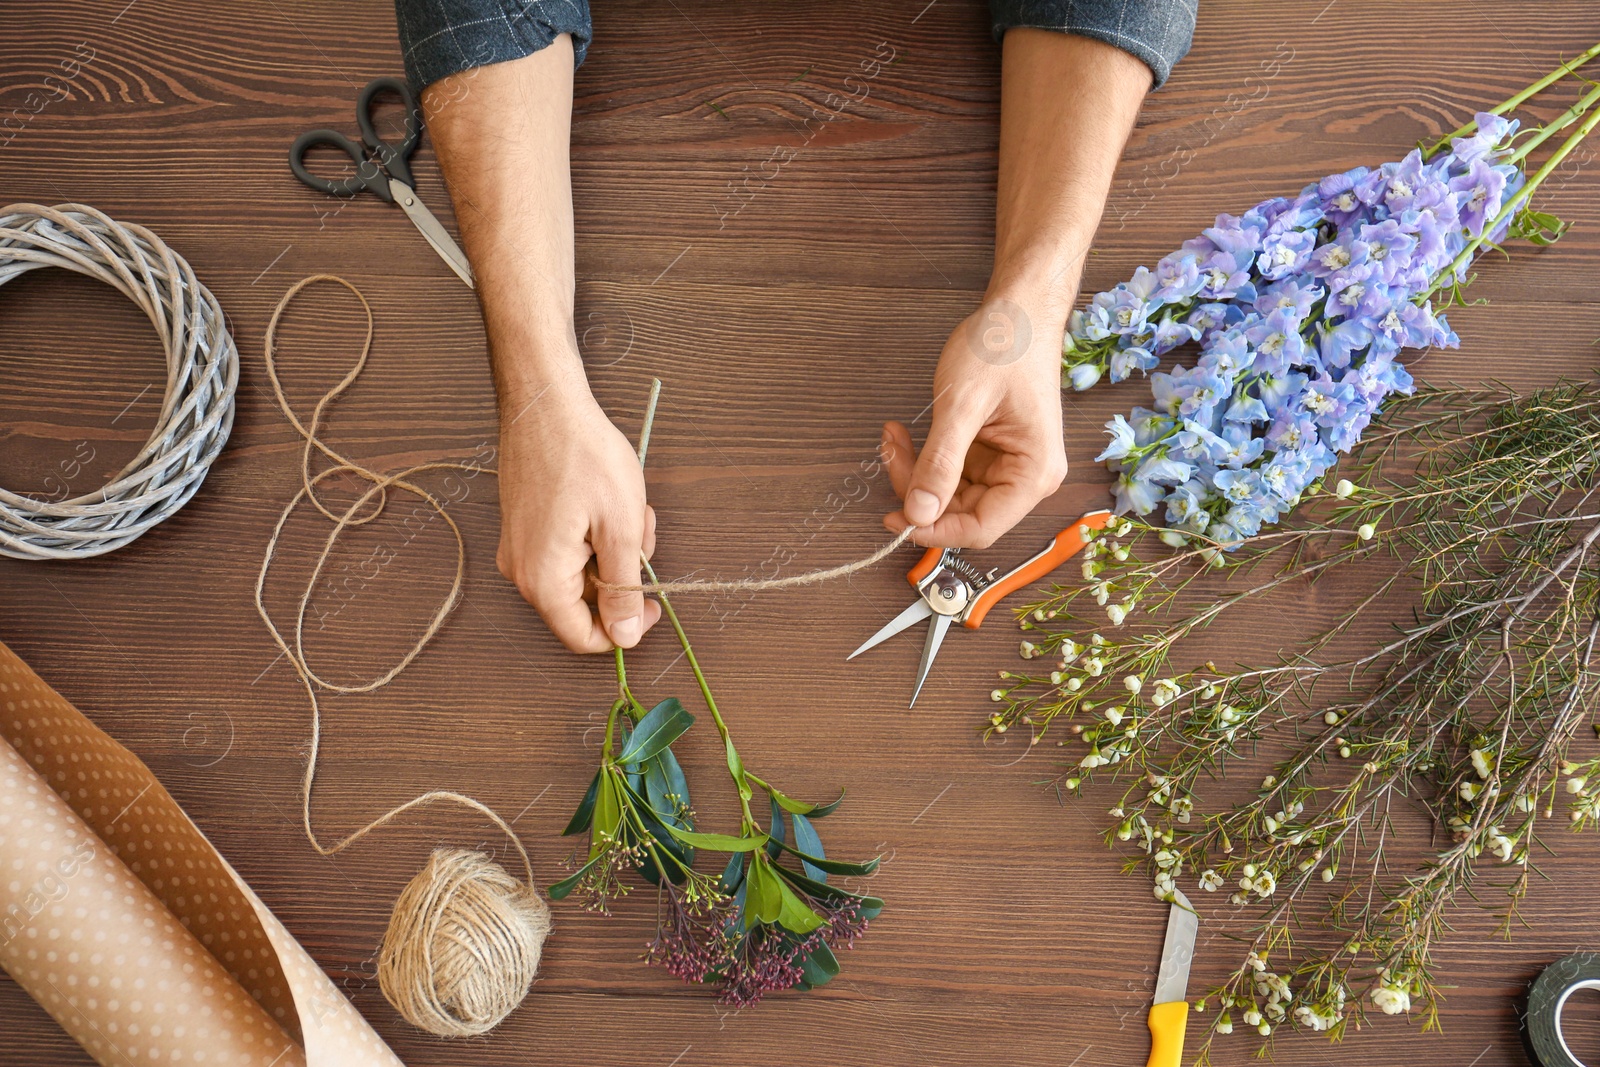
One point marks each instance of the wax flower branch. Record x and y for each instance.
(1488, 505)
(758, 925)
(1301, 308)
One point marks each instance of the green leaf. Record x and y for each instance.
(733, 874)
(800, 807)
(796, 915)
(665, 723)
(775, 831)
(585, 813)
(607, 815)
(560, 890)
(664, 842)
(870, 906)
(820, 967)
(718, 842)
(827, 809)
(677, 784)
(808, 842)
(764, 897)
(834, 866)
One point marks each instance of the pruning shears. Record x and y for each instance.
(950, 589)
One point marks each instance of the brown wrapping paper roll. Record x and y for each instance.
(126, 924)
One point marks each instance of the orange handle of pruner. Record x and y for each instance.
(1068, 543)
(924, 567)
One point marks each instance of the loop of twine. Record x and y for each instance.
(202, 373)
(465, 937)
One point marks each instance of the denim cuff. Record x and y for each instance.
(442, 37)
(1156, 31)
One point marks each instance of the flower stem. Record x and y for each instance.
(1521, 196)
(735, 764)
(1519, 98)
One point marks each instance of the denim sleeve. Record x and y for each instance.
(1156, 31)
(440, 37)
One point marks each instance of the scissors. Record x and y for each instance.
(950, 589)
(381, 168)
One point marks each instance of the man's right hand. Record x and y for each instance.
(570, 489)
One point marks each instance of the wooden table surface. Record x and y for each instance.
(789, 311)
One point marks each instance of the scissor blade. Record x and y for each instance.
(930, 649)
(431, 229)
(914, 614)
(1172, 981)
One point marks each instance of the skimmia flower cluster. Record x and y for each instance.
(758, 926)
(1301, 308)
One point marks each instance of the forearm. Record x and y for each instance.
(1067, 105)
(502, 134)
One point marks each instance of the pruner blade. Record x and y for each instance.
(930, 648)
(909, 617)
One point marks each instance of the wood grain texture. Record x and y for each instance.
(788, 317)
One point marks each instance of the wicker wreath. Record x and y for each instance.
(202, 373)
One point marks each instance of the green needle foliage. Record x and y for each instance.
(1481, 507)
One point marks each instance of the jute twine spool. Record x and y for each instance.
(196, 409)
(463, 944)
(465, 937)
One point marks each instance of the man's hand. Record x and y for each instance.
(995, 449)
(571, 488)
(1066, 106)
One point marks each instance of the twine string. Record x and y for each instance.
(465, 937)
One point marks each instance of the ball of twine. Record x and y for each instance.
(202, 374)
(463, 944)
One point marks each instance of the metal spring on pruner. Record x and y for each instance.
(966, 570)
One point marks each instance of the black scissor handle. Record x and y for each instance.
(391, 157)
(367, 175)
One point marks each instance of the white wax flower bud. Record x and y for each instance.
(1133, 683)
(1055, 677)
(1331, 718)
(1576, 783)
(997, 695)
(1344, 488)
(1366, 531)
(1117, 614)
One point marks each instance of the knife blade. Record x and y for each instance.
(1169, 1011)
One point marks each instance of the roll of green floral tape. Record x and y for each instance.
(1547, 997)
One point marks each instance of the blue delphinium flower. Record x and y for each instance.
(1300, 307)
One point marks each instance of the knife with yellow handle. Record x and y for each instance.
(1169, 1013)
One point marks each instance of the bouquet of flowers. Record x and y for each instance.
(756, 926)
(1301, 308)
(1482, 501)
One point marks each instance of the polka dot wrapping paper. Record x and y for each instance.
(126, 924)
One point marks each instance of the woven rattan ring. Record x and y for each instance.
(202, 373)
